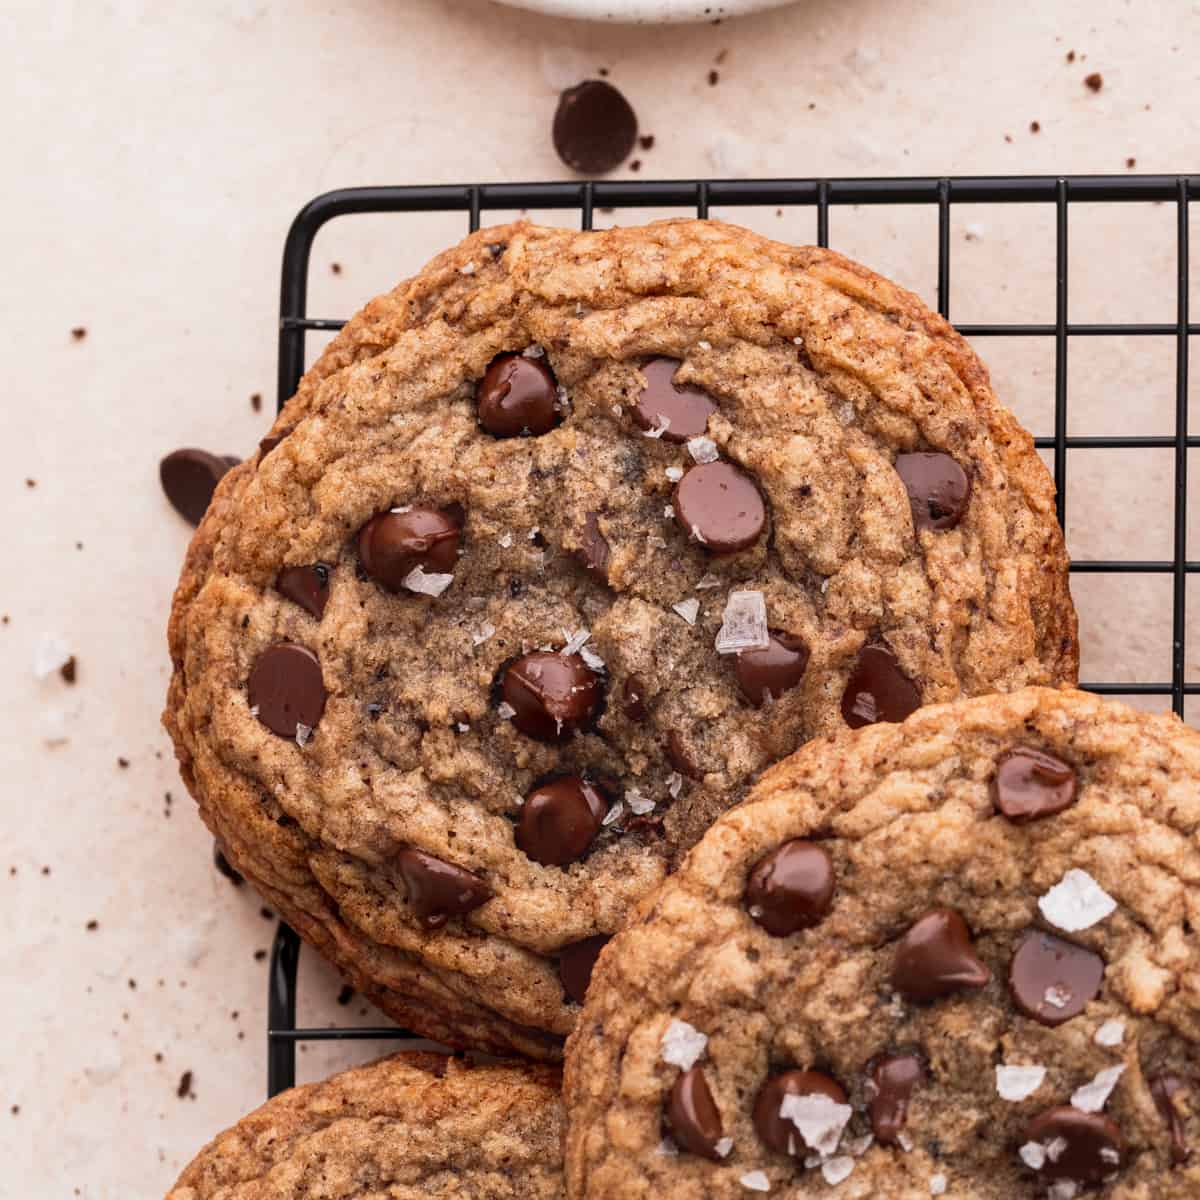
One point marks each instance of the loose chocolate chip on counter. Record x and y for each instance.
(594, 127)
(682, 411)
(189, 478)
(576, 963)
(891, 1083)
(267, 444)
(306, 586)
(392, 544)
(791, 888)
(438, 890)
(1163, 1089)
(878, 690)
(1093, 1148)
(593, 548)
(1051, 979)
(775, 1130)
(692, 1115)
(285, 688)
(1030, 784)
(938, 489)
(720, 507)
(680, 759)
(553, 695)
(935, 958)
(517, 395)
(559, 820)
(772, 670)
(633, 699)
(222, 864)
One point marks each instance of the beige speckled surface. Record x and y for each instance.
(157, 154)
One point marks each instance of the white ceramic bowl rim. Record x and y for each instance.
(647, 12)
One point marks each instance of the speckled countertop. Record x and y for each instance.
(156, 156)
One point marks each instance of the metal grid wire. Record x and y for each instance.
(696, 196)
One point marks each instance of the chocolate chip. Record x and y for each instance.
(772, 670)
(223, 865)
(1051, 979)
(594, 127)
(576, 963)
(559, 820)
(286, 689)
(633, 699)
(306, 586)
(938, 489)
(892, 1081)
(720, 507)
(791, 888)
(683, 410)
(267, 444)
(438, 890)
(692, 1115)
(1094, 1147)
(775, 1130)
(517, 395)
(393, 544)
(593, 549)
(878, 690)
(679, 758)
(935, 958)
(553, 694)
(1030, 784)
(189, 478)
(1164, 1088)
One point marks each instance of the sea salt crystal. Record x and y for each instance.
(682, 1045)
(755, 1181)
(699, 536)
(860, 1145)
(463, 727)
(639, 805)
(666, 1149)
(505, 540)
(50, 652)
(1057, 995)
(1109, 1155)
(904, 1141)
(534, 532)
(1019, 1083)
(534, 351)
(254, 710)
(704, 345)
(1033, 1155)
(432, 584)
(481, 635)
(1055, 1148)
(575, 642)
(592, 659)
(688, 609)
(674, 474)
(723, 1146)
(674, 784)
(744, 624)
(703, 449)
(819, 1118)
(401, 508)
(707, 581)
(669, 512)
(614, 814)
(505, 711)
(834, 1170)
(467, 269)
(1076, 902)
(303, 733)
(937, 1184)
(617, 410)
(1111, 1033)
(1094, 1095)
(663, 424)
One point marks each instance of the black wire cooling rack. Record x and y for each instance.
(696, 197)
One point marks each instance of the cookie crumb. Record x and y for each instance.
(184, 1090)
(79, 333)
(1094, 81)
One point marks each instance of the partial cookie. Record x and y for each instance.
(956, 956)
(555, 550)
(409, 1127)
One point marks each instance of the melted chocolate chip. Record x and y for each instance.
(935, 958)
(893, 1079)
(775, 1130)
(684, 411)
(791, 888)
(1164, 1089)
(1094, 1147)
(392, 544)
(594, 127)
(438, 890)
(692, 1115)
(224, 866)
(633, 699)
(267, 444)
(559, 820)
(1031, 784)
(517, 395)
(593, 549)
(773, 670)
(680, 759)
(1051, 979)
(553, 694)
(189, 478)
(286, 689)
(938, 489)
(720, 507)
(878, 690)
(306, 586)
(576, 963)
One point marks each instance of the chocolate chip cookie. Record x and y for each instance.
(408, 1127)
(955, 956)
(557, 547)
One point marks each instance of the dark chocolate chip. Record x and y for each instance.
(517, 395)
(938, 489)
(285, 688)
(306, 586)
(559, 820)
(692, 1115)
(773, 670)
(720, 507)
(791, 888)
(684, 411)
(553, 694)
(223, 865)
(393, 544)
(438, 890)
(1051, 979)
(593, 548)
(1094, 1148)
(878, 690)
(935, 958)
(594, 127)
(267, 444)
(679, 758)
(633, 699)
(1164, 1088)
(775, 1130)
(891, 1083)
(576, 963)
(189, 477)
(1030, 784)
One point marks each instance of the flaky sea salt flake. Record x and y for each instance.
(1111, 1033)
(755, 1181)
(504, 541)
(481, 635)
(744, 624)
(703, 449)
(937, 1184)
(468, 268)
(669, 513)
(682, 1045)
(505, 711)
(1057, 995)
(1019, 1083)
(639, 805)
(819, 1118)
(1076, 902)
(432, 584)
(705, 582)
(723, 1146)
(534, 351)
(688, 609)
(674, 474)
(904, 1141)
(614, 814)
(834, 1170)
(674, 784)
(575, 642)
(704, 345)
(663, 424)
(1033, 1155)
(303, 733)
(666, 1149)
(1093, 1096)
(1055, 1148)
(592, 659)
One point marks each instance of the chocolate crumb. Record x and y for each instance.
(1008, 138)
(92, 926)
(713, 78)
(78, 545)
(646, 141)
(267, 914)
(602, 72)
(79, 333)
(721, 56)
(67, 670)
(122, 763)
(184, 1090)
(1070, 56)
(31, 483)
(1131, 163)
(45, 870)
(636, 165)
(1094, 81)
(158, 1056)
(259, 955)
(256, 401)
(133, 985)
(345, 995)
(336, 268)
(1035, 127)
(16, 1108)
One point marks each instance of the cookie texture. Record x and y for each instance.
(556, 548)
(408, 1126)
(955, 956)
